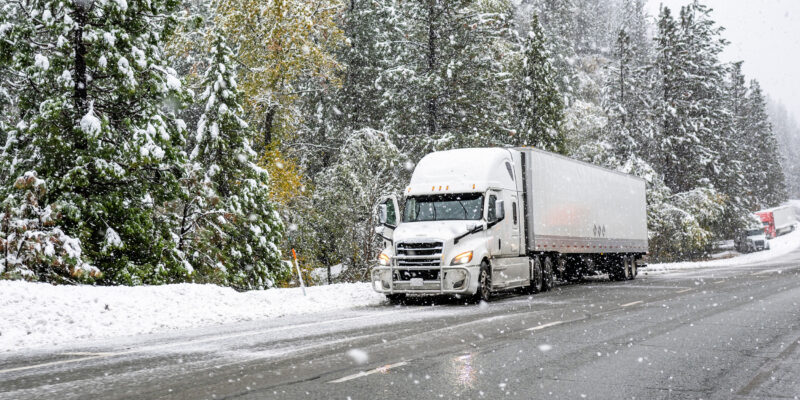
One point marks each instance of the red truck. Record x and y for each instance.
(777, 221)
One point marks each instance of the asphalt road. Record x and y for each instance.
(722, 333)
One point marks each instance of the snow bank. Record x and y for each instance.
(779, 246)
(40, 314)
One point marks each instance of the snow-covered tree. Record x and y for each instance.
(95, 120)
(32, 243)
(369, 166)
(768, 182)
(447, 87)
(689, 109)
(538, 106)
(229, 229)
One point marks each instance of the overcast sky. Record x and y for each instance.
(765, 34)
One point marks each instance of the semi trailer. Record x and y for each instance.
(477, 221)
(777, 220)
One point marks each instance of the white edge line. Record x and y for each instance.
(72, 360)
(370, 372)
(547, 325)
(683, 291)
(766, 271)
(631, 304)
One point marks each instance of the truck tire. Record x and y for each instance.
(536, 276)
(484, 292)
(634, 269)
(396, 298)
(620, 270)
(548, 277)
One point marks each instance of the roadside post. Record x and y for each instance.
(299, 274)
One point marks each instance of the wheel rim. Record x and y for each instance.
(626, 267)
(633, 268)
(484, 284)
(548, 273)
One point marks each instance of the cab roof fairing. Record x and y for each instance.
(461, 171)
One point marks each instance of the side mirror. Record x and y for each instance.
(500, 212)
(382, 214)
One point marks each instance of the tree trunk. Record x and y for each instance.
(80, 90)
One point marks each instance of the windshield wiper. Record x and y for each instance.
(471, 231)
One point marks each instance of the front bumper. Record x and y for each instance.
(442, 285)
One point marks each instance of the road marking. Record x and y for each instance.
(766, 271)
(361, 374)
(683, 291)
(631, 304)
(547, 325)
(717, 282)
(27, 367)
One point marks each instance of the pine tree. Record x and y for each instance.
(768, 181)
(689, 107)
(230, 230)
(92, 124)
(538, 105)
(448, 85)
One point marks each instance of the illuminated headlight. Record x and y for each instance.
(384, 260)
(462, 258)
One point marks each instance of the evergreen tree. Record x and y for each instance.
(538, 105)
(689, 107)
(448, 85)
(92, 124)
(769, 180)
(230, 230)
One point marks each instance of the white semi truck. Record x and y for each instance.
(477, 221)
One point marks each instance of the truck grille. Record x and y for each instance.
(759, 242)
(420, 254)
(425, 274)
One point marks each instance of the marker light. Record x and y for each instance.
(462, 258)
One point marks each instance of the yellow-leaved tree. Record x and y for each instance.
(285, 48)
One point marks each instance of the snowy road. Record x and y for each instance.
(721, 332)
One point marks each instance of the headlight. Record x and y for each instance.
(462, 258)
(384, 260)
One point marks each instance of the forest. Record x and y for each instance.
(163, 141)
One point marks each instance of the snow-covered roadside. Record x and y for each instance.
(779, 246)
(39, 314)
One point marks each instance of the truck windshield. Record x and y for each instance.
(755, 232)
(443, 207)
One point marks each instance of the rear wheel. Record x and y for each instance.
(634, 268)
(548, 279)
(620, 270)
(536, 276)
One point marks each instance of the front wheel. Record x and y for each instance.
(484, 292)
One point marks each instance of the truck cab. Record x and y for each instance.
(459, 211)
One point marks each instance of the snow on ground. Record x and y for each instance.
(40, 314)
(779, 246)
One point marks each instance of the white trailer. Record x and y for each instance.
(784, 218)
(475, 221)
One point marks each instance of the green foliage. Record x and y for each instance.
(229, 227)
